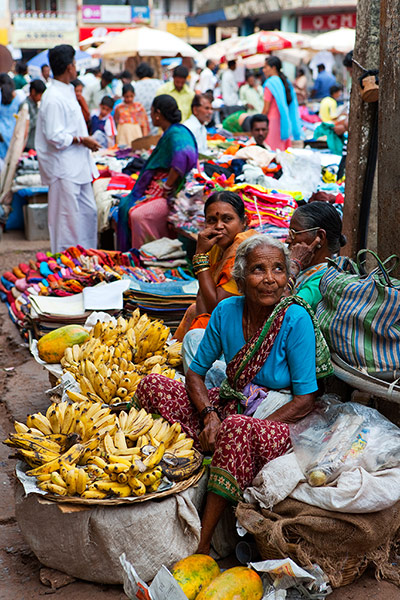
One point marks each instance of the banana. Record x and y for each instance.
(44, 477)
(122, 419)
(119, 440)
(95, 472)
(153, 459)
(68, 458)
(39, 421)
(93, 495)
(154, 486)
(122, 478)
(114, 458)
(109, 444)
(71, 481)
(138, 488)
(75, 396)
(116, 468)
(69, 418)
(54, 421)
(68, 355)
(20, 427)
(54, 489)
(57, 479)
(97, 461)
(76, 352)
(81, 480)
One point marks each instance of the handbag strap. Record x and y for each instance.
(382, 266)
(347, 267)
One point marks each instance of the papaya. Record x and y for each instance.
(51, 347)
(238, 583)
(194, 573)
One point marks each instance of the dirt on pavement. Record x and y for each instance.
(22, 386)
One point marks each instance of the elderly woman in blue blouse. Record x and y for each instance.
(275, 353)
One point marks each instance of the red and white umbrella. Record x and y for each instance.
(264, 42)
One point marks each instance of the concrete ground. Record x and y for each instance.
(22, 386)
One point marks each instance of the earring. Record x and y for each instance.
(318, 245)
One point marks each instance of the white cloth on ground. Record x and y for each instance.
(200, 133)
(72, 215)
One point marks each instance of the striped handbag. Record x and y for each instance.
(359, 313)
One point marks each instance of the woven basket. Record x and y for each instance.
(350, 572)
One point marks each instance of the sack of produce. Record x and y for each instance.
(87, 541)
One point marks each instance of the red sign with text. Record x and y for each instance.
(87, 32)
(327, 22)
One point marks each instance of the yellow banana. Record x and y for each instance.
(116, 468)
(54, 489)
(39, 421)
(71, 481)
(154, 486)
(138, 488)
(57, 479)
(122, 477)
(93, 495)
(20, 427)
(98, 461)
(153, 459)
(81, 480)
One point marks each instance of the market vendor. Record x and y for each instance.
(142, 215)
(202, 112)
(226, 228)
(275, 353)
(315, 234)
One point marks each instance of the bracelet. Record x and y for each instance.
(206, 411)
(297, 262)
(197, 271)
(201, 259)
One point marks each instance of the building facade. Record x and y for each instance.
(309, 16)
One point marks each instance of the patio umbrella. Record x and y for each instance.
(221, 50)
(339, 40)
(144, 41)
(262, 42)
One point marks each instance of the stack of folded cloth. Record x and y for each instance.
(163, 253)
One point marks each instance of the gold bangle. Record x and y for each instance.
(201, 270)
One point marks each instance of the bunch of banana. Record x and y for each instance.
(103, 365)
(174, 354)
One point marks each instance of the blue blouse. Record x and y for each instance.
(291, 362)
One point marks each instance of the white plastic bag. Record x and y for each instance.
(337, 437)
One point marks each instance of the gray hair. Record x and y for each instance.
(246, 247)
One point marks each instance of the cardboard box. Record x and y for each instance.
(35, 218)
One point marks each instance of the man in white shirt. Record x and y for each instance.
(66, 165)
(208, 81)
(201, 115)
(230, 90)
(45, 75)
(259, 126)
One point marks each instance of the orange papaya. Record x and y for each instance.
(194, 573)
(51, 347)
(238, 583)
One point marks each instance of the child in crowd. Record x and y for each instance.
(79, 85)
(36, 91)
(328, 108)
(102, 126)
(131, 118)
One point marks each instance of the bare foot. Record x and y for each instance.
(203, 549)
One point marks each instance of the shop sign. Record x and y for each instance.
(181, 30)
(140, 14)
(87, 32)
(327, 22)
(43, 32)
(107, 13)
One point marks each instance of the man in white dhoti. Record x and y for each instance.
(66, 165)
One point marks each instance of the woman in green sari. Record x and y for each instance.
(142, 215)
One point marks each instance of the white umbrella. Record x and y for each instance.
(339, 40)
(221, 50)
(144, 41)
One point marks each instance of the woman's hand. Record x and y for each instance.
(304, 253)
(207, 437)
(206, 240)
(296, 409)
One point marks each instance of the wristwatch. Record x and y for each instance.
(207, 410)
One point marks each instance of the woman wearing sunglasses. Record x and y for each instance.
(315, 234)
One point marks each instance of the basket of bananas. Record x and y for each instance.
(81, 452)
(111, 363)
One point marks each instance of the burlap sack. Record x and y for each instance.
(325, 537)
(86, 542)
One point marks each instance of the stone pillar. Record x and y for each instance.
(389, 128)
(361, 121)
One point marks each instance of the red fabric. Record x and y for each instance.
(245, 444)
(168, 398)
(120, 181)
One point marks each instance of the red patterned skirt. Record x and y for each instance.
(243, 445)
